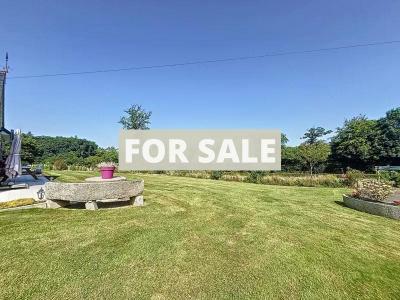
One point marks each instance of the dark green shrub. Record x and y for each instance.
(216, 175)
(353, 176)
(59, 165)
(392, 176)
(160, 172)
(255, 176)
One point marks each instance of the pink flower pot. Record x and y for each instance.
(107, 172)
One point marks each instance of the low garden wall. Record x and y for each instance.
(376, 208)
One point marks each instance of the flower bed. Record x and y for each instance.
(375, 197)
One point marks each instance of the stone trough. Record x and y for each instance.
(92, 192)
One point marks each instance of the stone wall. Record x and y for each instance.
(371, 207)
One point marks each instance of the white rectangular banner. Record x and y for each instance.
(200, 150)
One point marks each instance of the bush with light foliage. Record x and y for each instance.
(372, 189)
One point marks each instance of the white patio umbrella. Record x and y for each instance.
(13, 161)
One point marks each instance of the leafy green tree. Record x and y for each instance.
(313, 134)
(354, 144)
(284, 140)
(108, 154)
(102, 155)
(93, 161)
(314, 154)
(388, 145)
(55, 146)
(136, 118)
(291, 159)
(30, 150)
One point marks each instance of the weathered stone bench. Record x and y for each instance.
(60, 194)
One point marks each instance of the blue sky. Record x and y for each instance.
(291, 93)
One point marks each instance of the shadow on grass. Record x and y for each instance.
(51, 178)
(101, 205)
(341, 203)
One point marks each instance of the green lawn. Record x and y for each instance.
(198, 238)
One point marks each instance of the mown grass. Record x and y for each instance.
(202, 239)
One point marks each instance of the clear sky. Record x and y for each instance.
(291, 93)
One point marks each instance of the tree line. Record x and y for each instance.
(64, 151)
(360, 143)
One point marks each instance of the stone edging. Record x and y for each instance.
(376, 208)
(35, 205)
